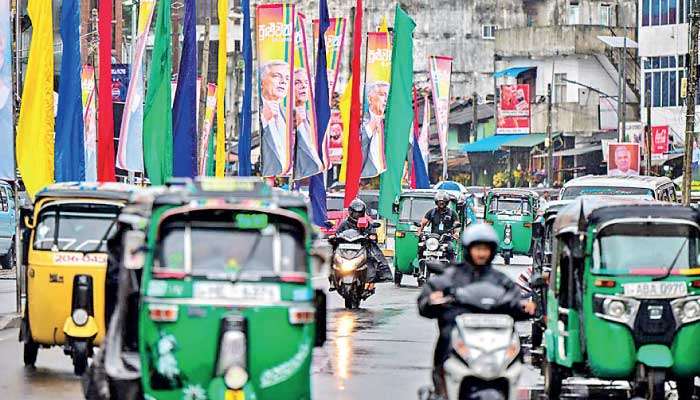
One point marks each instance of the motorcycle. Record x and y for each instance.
(485, 361)
(349, 272)
(433, 248)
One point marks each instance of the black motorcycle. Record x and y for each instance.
(349, 272)
(433, 249)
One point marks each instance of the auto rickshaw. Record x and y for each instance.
(64, 248)
(512, 213)
(215, 297)
(409, 209)
(623, 303)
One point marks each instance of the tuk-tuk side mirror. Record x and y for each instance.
(320, 258)
(320, 306)
(376, 224)
(435, 267)
(134, 250)
(28, 222)
(416, 224)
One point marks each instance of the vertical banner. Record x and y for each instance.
(353, 170)
(7, 131)
(276, 63)
(105, 112)
(514, 110)
(89, 121)
(207, 125)
(306, 159)
(335, 40)
(623, 159)
(440, 78)
(185, 107)
(69, 161)
(659, 142)
(221, 155)
(377, 82)
(245, 136)
(35, 129)
(130, 150)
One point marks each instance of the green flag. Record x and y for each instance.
(158, 114)
(399, 105)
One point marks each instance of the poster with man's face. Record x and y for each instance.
(335, 137)
(623, 159)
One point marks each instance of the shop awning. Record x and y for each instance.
(489, 144)
(576, 151)
(511, 72)
(528, 141)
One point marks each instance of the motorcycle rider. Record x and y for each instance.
(442, 219)
(380, 271)
(479, 243)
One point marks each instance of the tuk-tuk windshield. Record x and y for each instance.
(414, 209)
(510, 205)
(645, 248)
(573, 192)
(334, 204)
(75, 227)
(209, 248)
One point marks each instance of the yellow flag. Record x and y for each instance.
(344, 106)
(221, 90)
(382, 25)
(145, 9)
(35, 130)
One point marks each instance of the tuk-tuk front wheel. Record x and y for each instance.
(80, 357)
(553, 377)
(31, 349)
(655, 385)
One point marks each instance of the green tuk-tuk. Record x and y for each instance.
(409, 209)
(215, 296)
(624, 298)
(512, 213)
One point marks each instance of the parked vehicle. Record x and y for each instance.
(642, 187)
(349, 273)
(8, 226)
(66, 264)
(200, 318)
(512, 213)
(623, 299)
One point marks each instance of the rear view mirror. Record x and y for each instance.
(435, 267)
(373, 213)
(376, 224)
(416, 224)
(134, 250)
(321, 257)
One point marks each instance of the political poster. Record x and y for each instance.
(624, 159)
(514, 110)
(440, 78)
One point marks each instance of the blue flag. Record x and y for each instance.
(69, 159)
(421, 170)
(244, 136)
(317, 186)
(185, 106)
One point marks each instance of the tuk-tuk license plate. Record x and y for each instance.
(237, 291)
(656, 290)
(234, 395)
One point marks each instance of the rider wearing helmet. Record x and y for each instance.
(442, 219)
(479, 243)
(356, 211)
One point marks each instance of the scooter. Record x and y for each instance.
(349, 275)
(433, 248)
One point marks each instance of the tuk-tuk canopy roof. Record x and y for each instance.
(587, 210)
(418, 193)
(512, 192)
(642, 181)
(89, 190)
(553, 207)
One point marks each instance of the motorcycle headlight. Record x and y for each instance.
(80, 317)
(348, 266)
(686, 310)
(432, 244)
(235, 378)
(233, 348)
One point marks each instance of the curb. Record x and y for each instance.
(9, 321)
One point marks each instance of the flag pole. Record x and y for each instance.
(18, 231)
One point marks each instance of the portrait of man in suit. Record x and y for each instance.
(274, 83)
(373, 129)
(307, 161)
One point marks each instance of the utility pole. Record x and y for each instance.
(550, 145)
(205, 70)
(623, 76)
(648, 131)
(692, 73)
(475, 115)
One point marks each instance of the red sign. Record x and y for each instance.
(335, 140)
(659, 142)
(514, 109)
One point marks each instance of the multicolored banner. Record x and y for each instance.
(377, 82)
(90, 122)
(335, 139)
(514, 110)
(276, 66)
(7, 132)
(207, 125)
(335, 40)
(306, 159)
(441, 79)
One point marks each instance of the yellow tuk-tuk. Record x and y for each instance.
(65, 260)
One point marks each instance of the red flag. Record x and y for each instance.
(105, 116)
(354, 169)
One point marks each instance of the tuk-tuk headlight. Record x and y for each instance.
(686, 310)
(617, 309)
(80, 317)
(235, 378)
(432, 244)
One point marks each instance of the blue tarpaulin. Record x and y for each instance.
(491, 143)
(513, 72)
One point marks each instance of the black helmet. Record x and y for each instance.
(479, 233)
(441, 197)
(357, 209)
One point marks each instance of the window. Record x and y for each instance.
(573, 13)
(664, 12)
(488, 31)
(560, 88)
(605, 15)
(663, 76)
(415, 209)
